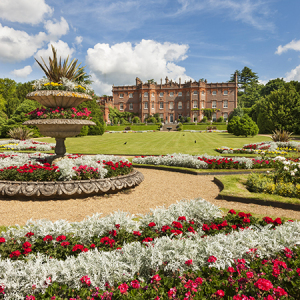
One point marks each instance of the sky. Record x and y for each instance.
(119, 40)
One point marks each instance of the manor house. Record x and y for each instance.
(172, 100)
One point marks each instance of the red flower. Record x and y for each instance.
(249, 274)
(191, 222)
(93, 246)
(16, 253)
(220, 293)
(147, 239)
(183, 218)
(137, 233)
(48, 238)
(269, 298)
(191, 285)
(77, 247)
(135, 284)
(242, 215)
(191, 229)
(113, 232)
(232, 212)
(277, 221)
(61, 238)
(29, 234)
(199, 280)
(263, 284)
(165, 228)
(86, 280)
(189, 262)
(205, 227)
(26, 251)
(65, 244)
(151, 224)
(268, 220)
(176, 232)
(177, 225)
(2, 240)
(246, 220)
(212, 259)
(26, 245)
(230, 270)
(117, 226)
(234, 226)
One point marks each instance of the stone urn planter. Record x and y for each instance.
(59, 129)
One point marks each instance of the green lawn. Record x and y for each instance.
(132, 127)
(203, 127)
(155, 143)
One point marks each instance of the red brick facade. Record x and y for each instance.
(172, 100)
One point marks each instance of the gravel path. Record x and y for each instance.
(159, 188)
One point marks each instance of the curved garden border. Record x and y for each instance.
(253, 200)
(42, 190)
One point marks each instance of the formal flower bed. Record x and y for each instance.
(204, 161)
(265, 148)
(25, 145)
(34, 167)
(64, 85)
(60, 113)
(205, 130)
(231, 257)
(285, 181)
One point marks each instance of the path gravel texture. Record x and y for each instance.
(159, 188)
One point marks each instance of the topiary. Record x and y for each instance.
(136, 119)
(204, 119)
(246, 127)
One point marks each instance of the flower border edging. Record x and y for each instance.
(254, 200)
(66, 189)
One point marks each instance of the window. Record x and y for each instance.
(188, 105)
(179, 105)
(188, 93)
(121, 106)
(161, 105)
(145, 105)
(179, 94)
(145, 117)
(225, 93)
(161, 94)
(152, 95)
(140, 95)
(202, 104)
(130, 95)
(214, 93)
(131, 106)
(121, 95)
(171, 105)
(152, 105)
(195, 93)
(171, 94)
(203, 93)
(214, 117)
(225, 104)
(161, 116)
(195, 104)
(214, 104)
(225, 116)
(146, 94)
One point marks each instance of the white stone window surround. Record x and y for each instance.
(214, 104)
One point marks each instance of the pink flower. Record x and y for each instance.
(220, 293)
(31, 297)
(155, 278)
(199, 280)
(123, 288)
(85, 279)
(263, 284)
(249, 274)
(135, 284)
(269, 298)
(230, 270)
(280, 292)
(172, 292)
(212, 259)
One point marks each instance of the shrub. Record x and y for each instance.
(127, 128)
(220, 120)
(281, 136)
(116, 120)
(179, 127)
(136, 120)
(84, 131)
(204, 120)
(247, 127)
(97, 129)
(233, 123)
(20, 133)
(188, 120)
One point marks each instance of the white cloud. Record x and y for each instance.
(78, 40)
(62, 50)
(293, 74)
(121, 63)
(293, 45)
(22, 72)
(24, 11)
(57, 29)
(17, 45)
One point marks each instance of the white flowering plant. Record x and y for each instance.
(118, 258)
(18, 145)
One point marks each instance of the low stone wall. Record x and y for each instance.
(44, 190)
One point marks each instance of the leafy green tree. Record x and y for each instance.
(245, 76)
(253, 94)
(237, 112)
(2, 103)
(233, 124)
(272, 85)
(25, 107)
(280, 110)
(247, 127)
(22, 89)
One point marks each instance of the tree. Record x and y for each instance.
(22, 89)
(244, 126)
(233, 124)
(253, 94)
(272, 85)
(25, 107)
(280, 110)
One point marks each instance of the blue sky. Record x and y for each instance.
(119, 40)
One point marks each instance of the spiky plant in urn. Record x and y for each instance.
(60, 92)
